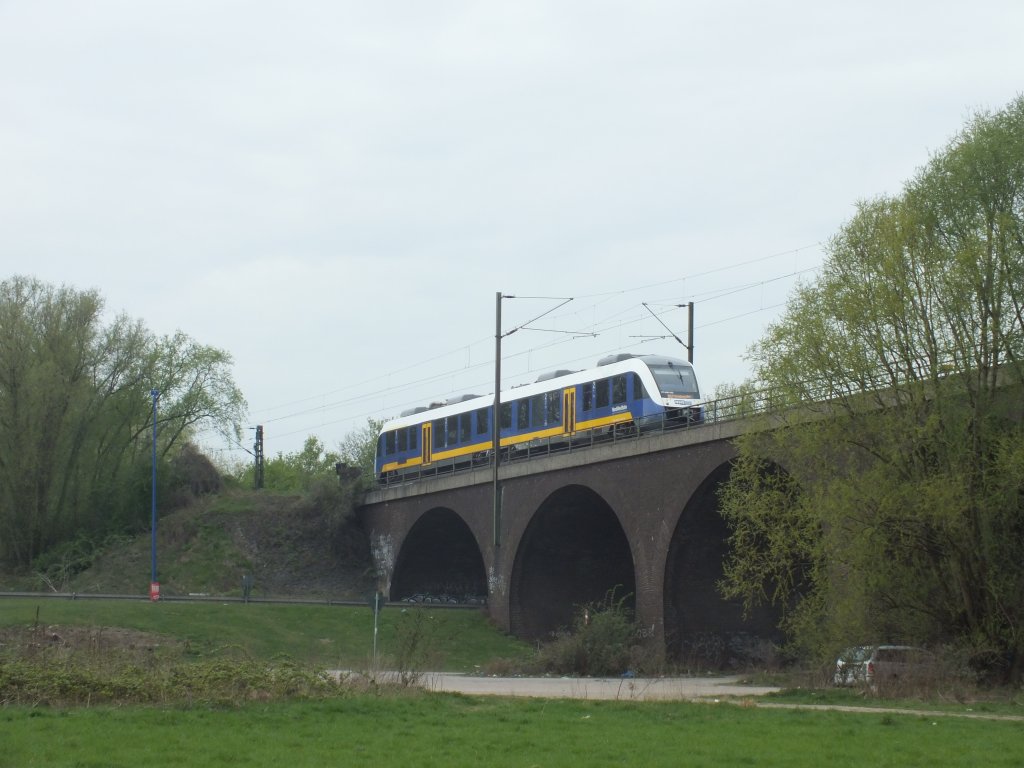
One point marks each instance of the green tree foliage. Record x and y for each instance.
(300, 471)
(359, 448)
(76, 413)
(893, 501)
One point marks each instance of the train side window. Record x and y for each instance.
(619, 389)
(453, 430)
(465, 427)
(639, 391)
(506, 415)
(554, 408)
(403, 440)
(602, 392)
(439, 433)
(482, 422)
(413, 439)
(523, 414)
(588, 396)
(537, 411)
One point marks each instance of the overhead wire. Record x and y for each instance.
(598, 327)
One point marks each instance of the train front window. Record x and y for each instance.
(403, 440)
(675, 380)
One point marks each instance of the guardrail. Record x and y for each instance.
(165, 598)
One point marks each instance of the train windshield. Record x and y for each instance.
(675, 380)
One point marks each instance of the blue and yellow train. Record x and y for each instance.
(623, 393)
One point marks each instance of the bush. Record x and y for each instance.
(81, 681)
(602, 641)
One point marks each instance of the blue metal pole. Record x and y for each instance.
(155, 394)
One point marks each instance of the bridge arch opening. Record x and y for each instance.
(573, 552)
(440, 560)
(703, 629)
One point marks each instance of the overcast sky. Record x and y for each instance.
(333, 192)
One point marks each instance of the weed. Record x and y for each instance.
(414, 647)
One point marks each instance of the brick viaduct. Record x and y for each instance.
(638, 516)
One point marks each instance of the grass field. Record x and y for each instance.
(365, 726)
(322, 635)
(419, 729)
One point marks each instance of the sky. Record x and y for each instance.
(334, 192)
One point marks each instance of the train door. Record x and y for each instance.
(569, 410)
(427, 443)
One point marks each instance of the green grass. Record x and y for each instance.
(353, 727)
(330, 636)
(447, 730)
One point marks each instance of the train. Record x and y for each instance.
(624, 393)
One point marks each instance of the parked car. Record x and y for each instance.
(875, 665)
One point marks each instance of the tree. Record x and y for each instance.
(892, 500)
(359, 448)
(76, 415)
(302, 470)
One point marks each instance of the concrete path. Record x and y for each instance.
(624, 689)
(703, 689)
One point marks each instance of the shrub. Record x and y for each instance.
(602, 641)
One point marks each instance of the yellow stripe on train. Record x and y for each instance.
(526, 437)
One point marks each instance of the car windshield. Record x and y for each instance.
(675, 380)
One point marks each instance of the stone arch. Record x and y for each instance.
(440, 557)
(702, 629)
(573, 551)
